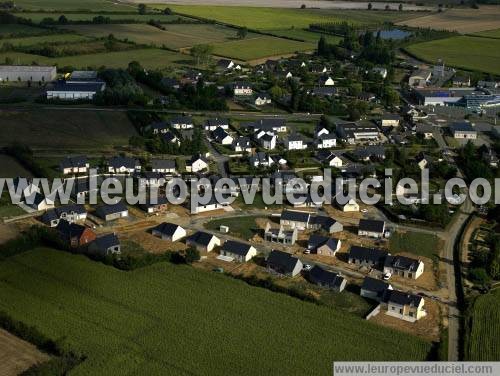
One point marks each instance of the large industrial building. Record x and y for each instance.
(25, 73)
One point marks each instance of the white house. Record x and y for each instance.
(242, 144)
(222, 137)
(463, 130)
(164, 166)
(350, 206)
(240, 252)
(214, 123)
(326, 141)
(326, 81)
(262, 99)
(390, 120)
(203, 241)
(267, 140)
(402, 266)
(74, 165)
(169, 231)
(75, 91)
(242, 89)
(405, 306)
(117, 165)
(295, 142)
(182, 122)
(196, 164)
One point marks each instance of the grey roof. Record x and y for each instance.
(105, 210)
(403, 298)
(370, 254)
(163, 164)
(402, 263)
(181, 120)
(242, 142)
(265, 124)
(238, 248)
(295, 137)
(70, 230)
(282, 262)
(296, 216)
(370, 151)
(371, 225)
(324, 221)
(321, 276)
(200, 238)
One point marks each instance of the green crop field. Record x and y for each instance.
(177, 320)
(305, 35)
(489, 33)
(19, 30)
(467, 52)
(61, 130)
(257, 48)
(149, 57)
(56, 38)
(280, 18)
(482, 329)
(175, 36)
(37, 17)
(74, 5)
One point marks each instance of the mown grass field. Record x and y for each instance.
(242, 227)
(9, 167)
(489, 33)
(280, 18)
(60, 130)
(420, 244)
(257, 48)
(467, 52)
(176, 320)
(175, 36)
(482, 329)
(149, 57)
(55, 38)
(90, 5)
(132, 17)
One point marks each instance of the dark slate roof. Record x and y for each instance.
(242, 142)
(117, 162)
(169, 136)
(370, 151)
(282, 261)
(107, 241)
(220, 133)
(104, 210)
(74, 161)
(371, 225)
(295, 137)
(371, 254)
(80, 86)
(324, 221)
(70, 230)
(80, 209)
(316, 241)
(201, 238)
(402, 262)
(462, 126)
(267, 137)
(216, 122)
(297, 216)
(238, 248)
(49, 216)
(403, 298)
(374, 285)
(194, 158)
(181, 120)
(162, 163)
(241, 84)
(160, 126)
(325, 277)
(167, 228)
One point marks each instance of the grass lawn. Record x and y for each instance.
(482, 339)
(149, 58)
(257, 48)
(482, 54)
(45, 39)
(85, 5)
(242, 227)
(177, 320)
(7, 208)
(18, 30)
(175, 36)
(420, 244)
(280, 18)
(135, 17)
(63, 130)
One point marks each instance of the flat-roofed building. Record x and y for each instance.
(27, 73)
